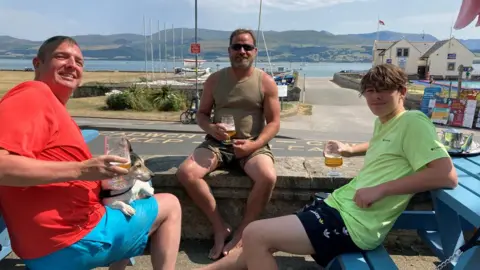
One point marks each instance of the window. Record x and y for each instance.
(402, 52)
(399, 52)
(451, 66)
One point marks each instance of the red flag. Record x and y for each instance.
(381, 22)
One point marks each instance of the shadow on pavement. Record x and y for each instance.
(197, 253)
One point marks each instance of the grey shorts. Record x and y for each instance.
(226, 156)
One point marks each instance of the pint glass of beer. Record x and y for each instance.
(229, 124)
(333, 158)
(117, 146)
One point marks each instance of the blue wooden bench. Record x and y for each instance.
(5, 246)
(455, 211)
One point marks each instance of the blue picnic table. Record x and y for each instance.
(455, 212)
(5, 246)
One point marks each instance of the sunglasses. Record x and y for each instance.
(246, 47)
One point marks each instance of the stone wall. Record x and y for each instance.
(299, 178)
(99, 89)
(347, 80)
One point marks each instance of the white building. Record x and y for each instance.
(441, 59)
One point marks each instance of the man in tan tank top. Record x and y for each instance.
(250, 96)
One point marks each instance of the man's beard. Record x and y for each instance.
(241, 62)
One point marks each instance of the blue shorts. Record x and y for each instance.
(116, 237)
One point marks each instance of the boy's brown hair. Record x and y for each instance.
(384, 77)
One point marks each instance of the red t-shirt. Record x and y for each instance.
(45, 218)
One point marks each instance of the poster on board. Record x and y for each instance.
(282, 90)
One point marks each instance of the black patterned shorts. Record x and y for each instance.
(327, 232)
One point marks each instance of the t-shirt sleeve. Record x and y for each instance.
(27, 119)
(420, 142)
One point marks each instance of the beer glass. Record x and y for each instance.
(333, 158)
(117, 146)
(229, 124)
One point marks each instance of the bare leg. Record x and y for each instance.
(285, 234)
(261, 239)
(165, 233)
(234, 261)
(190, 174)
(261, 170)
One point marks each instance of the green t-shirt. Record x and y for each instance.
(400, 147)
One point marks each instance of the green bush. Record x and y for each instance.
(146, 99)
(118, 102)
(140, 99)
(166, 100)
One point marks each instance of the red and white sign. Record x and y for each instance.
(195, 48)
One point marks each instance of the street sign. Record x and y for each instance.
(195, 48)
(282, 90)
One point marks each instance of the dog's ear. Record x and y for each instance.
(129, 146)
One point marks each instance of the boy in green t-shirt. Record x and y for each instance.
(402, 158)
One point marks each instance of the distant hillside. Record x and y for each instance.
(306, 45)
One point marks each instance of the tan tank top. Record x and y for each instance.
(243, 99)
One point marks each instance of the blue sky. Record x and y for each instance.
(37, 20)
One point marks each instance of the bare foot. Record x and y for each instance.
(219, 239)
(236, 242)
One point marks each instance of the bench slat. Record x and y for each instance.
(475, 159)
(467, 175)
(416, 220)
(379, 259)
(349, 261)
(463, 201)
(5, 246)
(89, 134)
(470, 260)
(432, 239)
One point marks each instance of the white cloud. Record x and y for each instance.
(253, 6)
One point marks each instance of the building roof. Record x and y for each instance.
(383, 45)
(422, 47)
(435, 47)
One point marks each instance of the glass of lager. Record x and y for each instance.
(229, 124)
(333, 158)
(117, 146)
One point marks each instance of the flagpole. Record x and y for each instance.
(378, 28)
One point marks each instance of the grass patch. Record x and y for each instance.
(305, 109)
(9, 79)
(287, 106)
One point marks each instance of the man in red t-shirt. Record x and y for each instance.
(49, 181)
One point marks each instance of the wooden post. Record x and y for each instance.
(459, 86)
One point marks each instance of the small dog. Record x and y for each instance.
(138, 187)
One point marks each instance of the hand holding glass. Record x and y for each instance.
(118, 146)
(333, 158)
(229, 124)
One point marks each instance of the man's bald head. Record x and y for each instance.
(51, 44)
